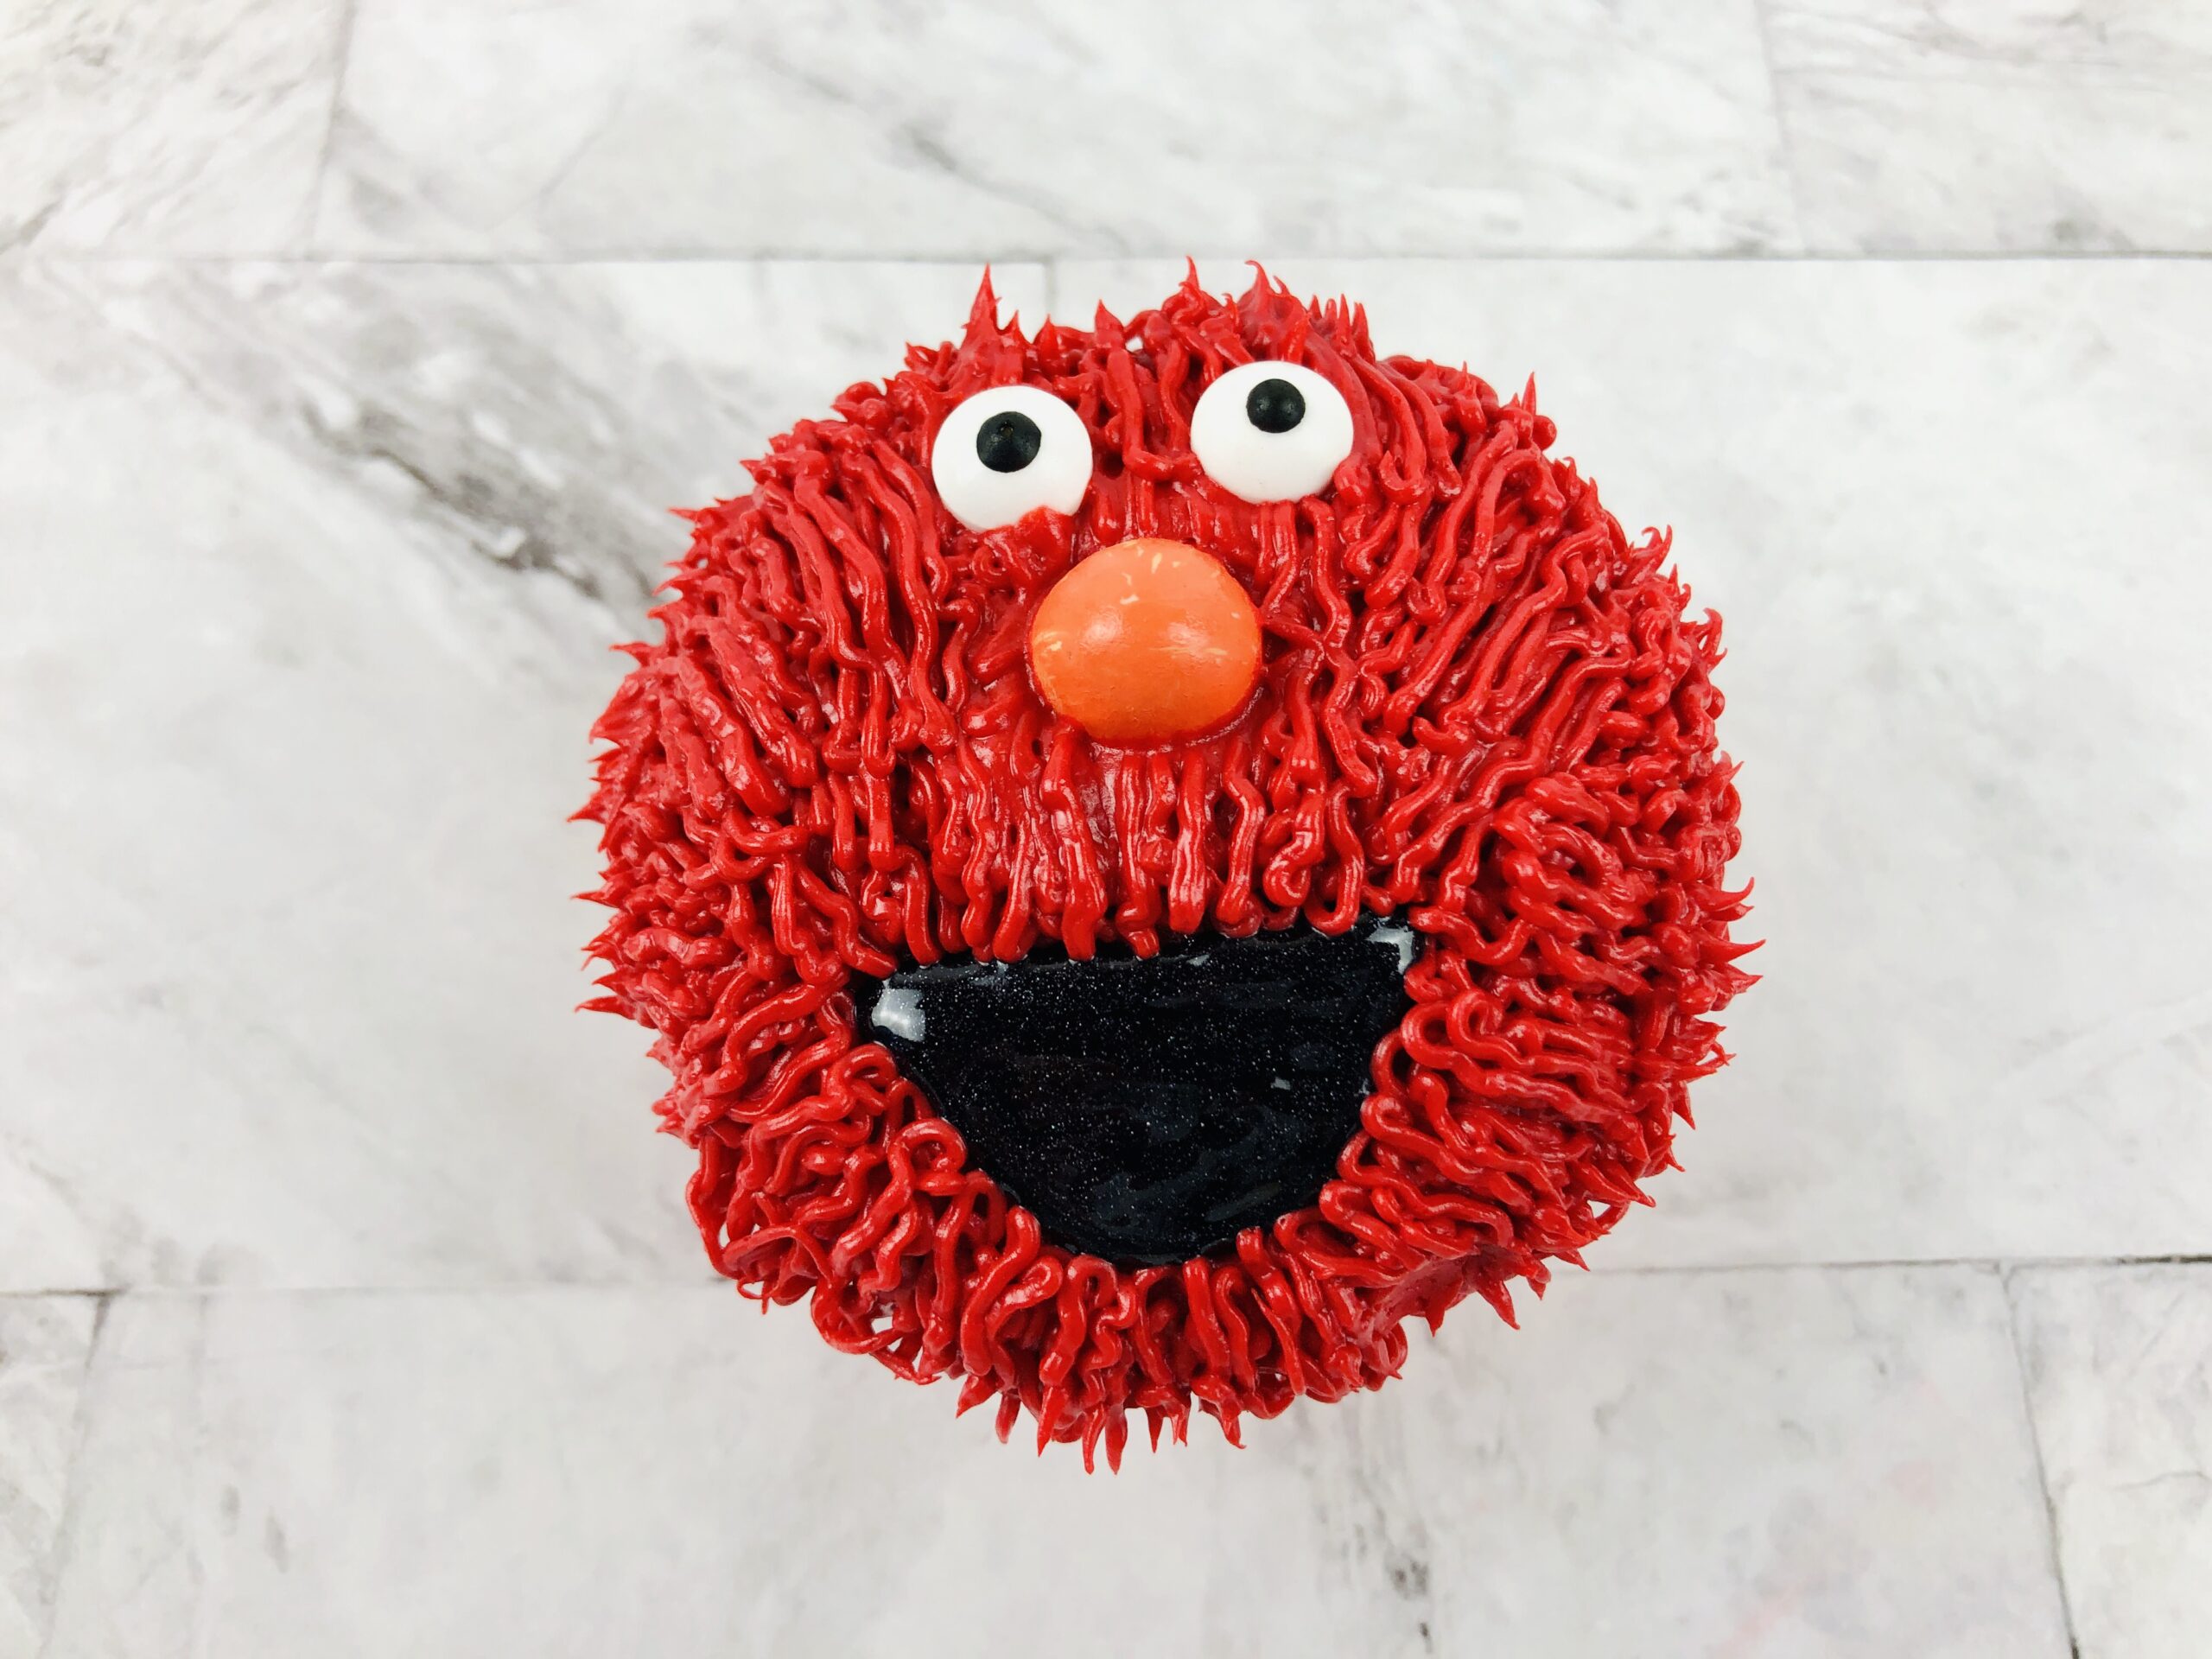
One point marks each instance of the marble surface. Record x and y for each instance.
(981, 129)
(1759, 1462)
(2039, 126)
(45, 1344)
(351, 351)
(2120, 1379)
(198, 127)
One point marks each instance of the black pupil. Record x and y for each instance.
(1010, 441)
(1275, 406)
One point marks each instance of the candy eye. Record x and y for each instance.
(1271, 431)
(1007, 452)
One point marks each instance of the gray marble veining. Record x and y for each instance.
(45, 1345)
(984, 128)
(194, 127)
(588, 127)
(1762, 1462)
(2119, 1378)
(1921, 127)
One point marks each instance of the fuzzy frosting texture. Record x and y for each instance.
(1483, 709)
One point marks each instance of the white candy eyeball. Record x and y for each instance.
(1007, 452)
(1271, 431)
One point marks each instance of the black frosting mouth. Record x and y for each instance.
(1149, 1109)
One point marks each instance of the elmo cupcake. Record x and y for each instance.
(1155, 853)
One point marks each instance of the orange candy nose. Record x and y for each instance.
(1145, 640)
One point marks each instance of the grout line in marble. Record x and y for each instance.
(2001, 1264)
(1050, 262)
(2043, 1476)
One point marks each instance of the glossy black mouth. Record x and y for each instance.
(1149, 1109)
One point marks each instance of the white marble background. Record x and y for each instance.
(350, 350)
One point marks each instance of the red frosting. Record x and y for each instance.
(1483, 709)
